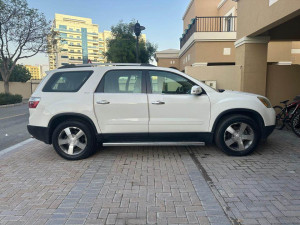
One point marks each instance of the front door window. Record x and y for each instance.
(169, 83)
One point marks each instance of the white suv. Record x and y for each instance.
(75, 107)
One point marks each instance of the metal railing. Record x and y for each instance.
(209, 24)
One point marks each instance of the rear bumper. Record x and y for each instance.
(40, 133)
(267, 130)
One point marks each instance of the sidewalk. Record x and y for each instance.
(152, 185)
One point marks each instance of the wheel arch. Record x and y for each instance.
(57, 119)
(247, 112)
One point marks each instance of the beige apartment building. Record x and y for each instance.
(219, 34)
(79, 41)
(35, 72)
(38, 72)
(264, 23)
(209, 33)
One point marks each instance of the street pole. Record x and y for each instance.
(137, 30)
(137, 49)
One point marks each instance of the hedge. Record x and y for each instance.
(6, 99)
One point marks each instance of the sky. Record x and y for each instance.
(162, 18)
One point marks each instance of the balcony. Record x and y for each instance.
(209, 24)
(79, 46)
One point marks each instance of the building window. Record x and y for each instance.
(64, 56)
(229, 23)
(63, 27)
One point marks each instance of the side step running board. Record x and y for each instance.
(155, 144)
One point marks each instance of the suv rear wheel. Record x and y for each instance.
(237, 135)
(73, 140)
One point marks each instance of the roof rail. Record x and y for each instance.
(104, 64)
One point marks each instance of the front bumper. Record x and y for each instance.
(40, 133)
(267, 130)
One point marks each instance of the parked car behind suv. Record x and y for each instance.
(75, 107)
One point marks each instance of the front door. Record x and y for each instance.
(172, 108)
(120, 103)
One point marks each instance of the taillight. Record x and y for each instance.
(33, 102)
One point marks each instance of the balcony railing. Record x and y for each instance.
(209, 24)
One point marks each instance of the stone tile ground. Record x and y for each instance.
(153, 185)
(263, 188)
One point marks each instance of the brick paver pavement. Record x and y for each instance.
(263, 188)
(152, 185)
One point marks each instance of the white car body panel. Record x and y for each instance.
(125, 113)
(179, 113)
(131, 113)
(229, 100)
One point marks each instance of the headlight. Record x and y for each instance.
(265, 101)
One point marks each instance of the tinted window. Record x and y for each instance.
(67, 81)
(169, 83)
(122, 81)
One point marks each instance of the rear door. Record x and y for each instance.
(120, 103)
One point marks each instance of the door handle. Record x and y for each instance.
(158, 103)
(103, 102)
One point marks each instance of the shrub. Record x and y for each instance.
(6, 99)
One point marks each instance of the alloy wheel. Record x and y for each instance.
(72, 140)
(239, 136)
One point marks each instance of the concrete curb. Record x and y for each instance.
(12, 105)
(14, 147)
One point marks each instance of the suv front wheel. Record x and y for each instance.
(237, 135)
(73, 140)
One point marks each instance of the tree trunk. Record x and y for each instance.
(6, 87)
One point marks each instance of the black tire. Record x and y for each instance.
(87, 141)
(280, 116)
(235, 122)
(295, 122)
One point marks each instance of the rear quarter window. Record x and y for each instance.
(70, 81)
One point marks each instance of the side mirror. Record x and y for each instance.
(196, 90)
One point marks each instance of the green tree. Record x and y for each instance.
(19, 74)
(23, 34)
(122, 47)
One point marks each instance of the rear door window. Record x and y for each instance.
(122, 81)
(67, 81)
